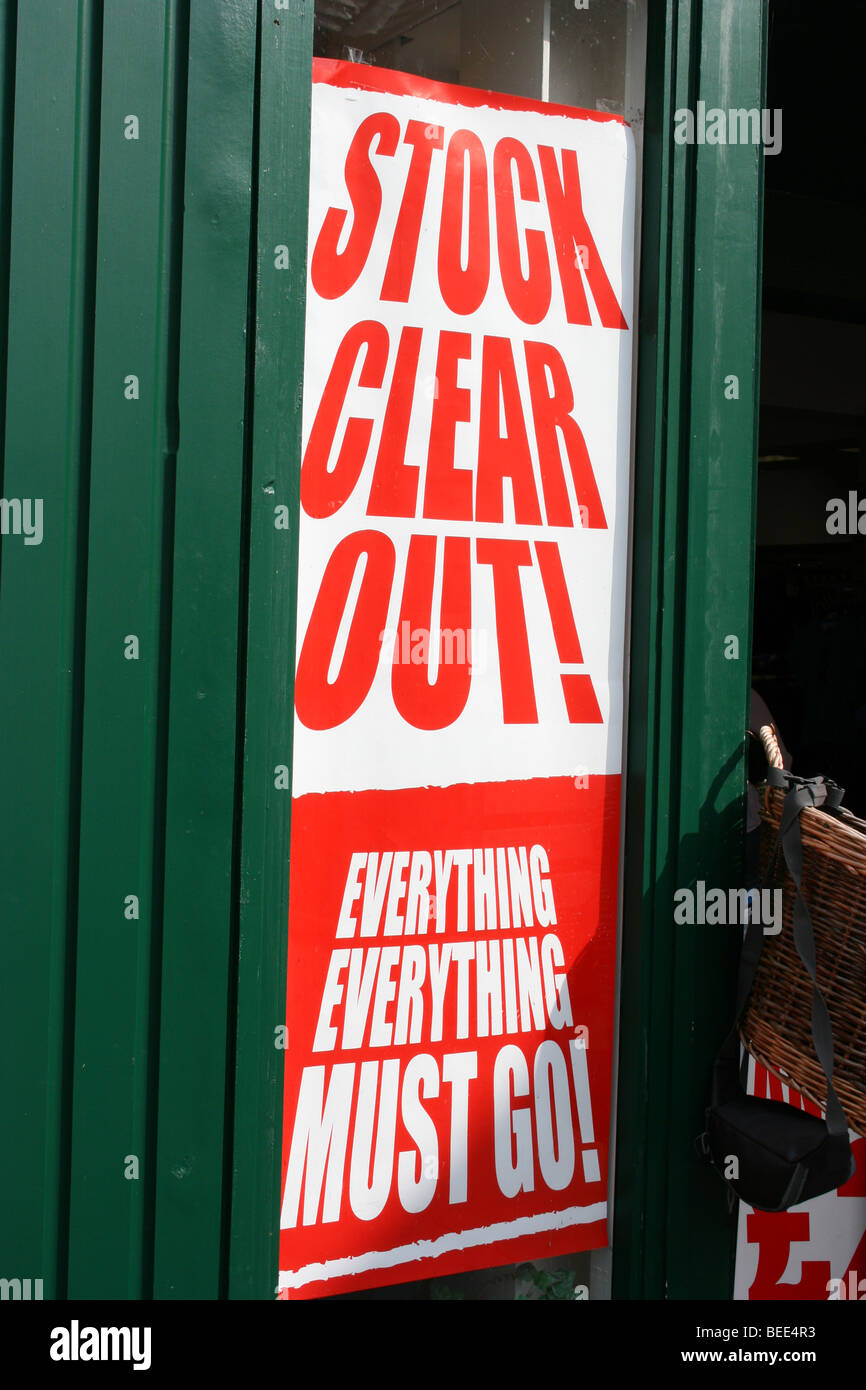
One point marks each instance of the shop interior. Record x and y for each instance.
(809, 650)
(552, 50)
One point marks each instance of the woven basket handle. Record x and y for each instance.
(767, 735)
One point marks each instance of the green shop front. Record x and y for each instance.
(420, 436)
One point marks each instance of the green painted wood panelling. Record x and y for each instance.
(193, 1178)
(145, 322)
(125, 664)
(48, 66)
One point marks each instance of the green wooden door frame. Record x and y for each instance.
(693, 576)
(283, 153)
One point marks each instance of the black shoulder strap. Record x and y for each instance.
(801, 792)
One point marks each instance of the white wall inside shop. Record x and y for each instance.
(545, 49)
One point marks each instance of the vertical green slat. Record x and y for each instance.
(718, 605)
(655, 696)
(693, 582)
(197, 1032)
(283, 177)
(114, 1040)
(46, 374)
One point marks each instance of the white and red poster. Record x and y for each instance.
(459, 686)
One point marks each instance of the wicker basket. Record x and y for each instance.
(776, 1024)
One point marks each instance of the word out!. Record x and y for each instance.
(323, 701)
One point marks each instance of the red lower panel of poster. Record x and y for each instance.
(449, 1029)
